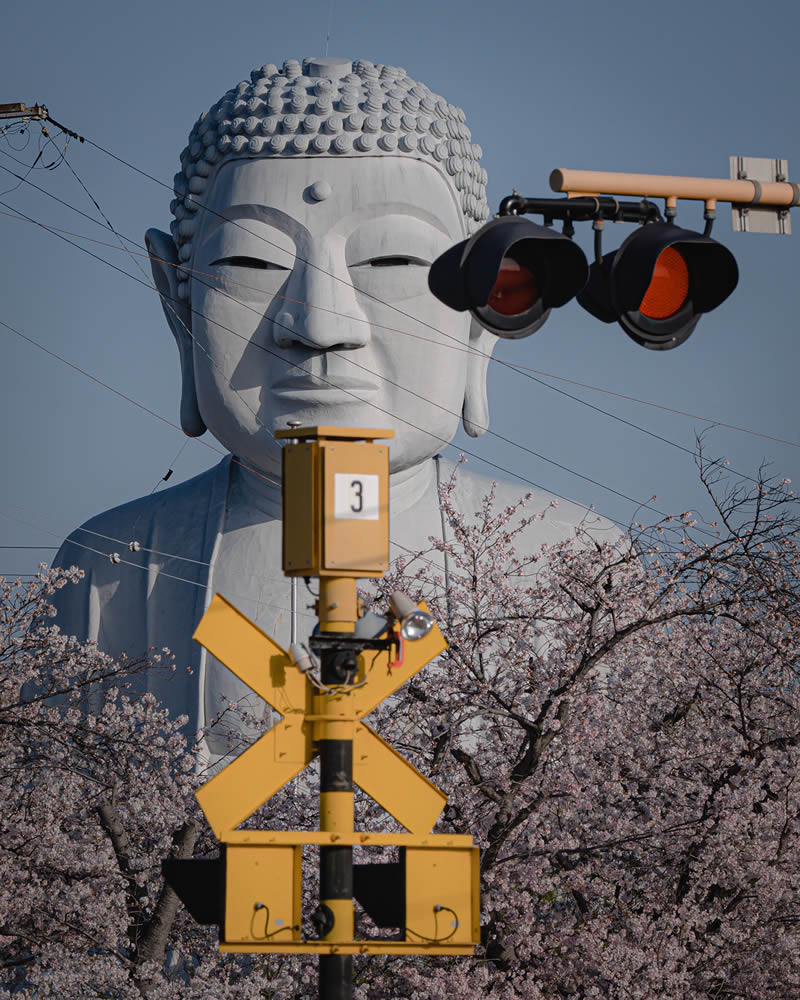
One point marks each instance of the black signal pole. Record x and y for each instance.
(338, 661)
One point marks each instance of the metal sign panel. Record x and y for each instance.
(386, 776)
(760, 218)
(262, 894)
(299, 515)
(355, 533)
(442, 903)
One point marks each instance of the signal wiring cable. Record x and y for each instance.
(523, 370)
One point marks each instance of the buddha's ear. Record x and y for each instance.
(164, 263)
(475, 411)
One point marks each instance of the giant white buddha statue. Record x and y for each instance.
(310, 203)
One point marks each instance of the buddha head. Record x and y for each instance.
(310, 203)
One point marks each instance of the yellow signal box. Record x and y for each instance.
(262, 894)
(442, 895)
(335, 502)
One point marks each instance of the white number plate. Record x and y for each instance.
(355, 496)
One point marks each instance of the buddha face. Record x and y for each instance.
(313, 304)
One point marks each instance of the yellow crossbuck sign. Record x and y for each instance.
(235, 793)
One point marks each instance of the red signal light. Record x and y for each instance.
(668, 288)
(516, 289)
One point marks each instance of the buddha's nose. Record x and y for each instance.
(321, 309)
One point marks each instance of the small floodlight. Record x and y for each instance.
(302, 657)
(414, 623)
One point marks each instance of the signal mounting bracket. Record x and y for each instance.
(581, 209)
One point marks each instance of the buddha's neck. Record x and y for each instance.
(262, 492)
(254, 490)
(406, 488)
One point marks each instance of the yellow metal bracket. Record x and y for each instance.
(235, 793)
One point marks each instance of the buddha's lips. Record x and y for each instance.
(293, 383)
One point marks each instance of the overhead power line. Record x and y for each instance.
(507, 440)
(129, 399)
(520, 369)
(638, 504)
(158, 416)
(147, 569)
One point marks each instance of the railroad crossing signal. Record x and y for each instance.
(512, 272)
(335, 504)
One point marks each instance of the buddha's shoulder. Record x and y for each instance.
(561, 518)
(179, 512)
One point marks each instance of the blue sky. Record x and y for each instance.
(621, 86)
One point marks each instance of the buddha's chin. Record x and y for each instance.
(330, 407)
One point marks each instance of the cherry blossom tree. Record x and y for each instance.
(615, 722)
(618, 724)
(96, 787)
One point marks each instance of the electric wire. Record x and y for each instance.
(446, 443)
(523, 370)
(514, 366)
(148, 569)
(206, 208)
(170, 468)
(143, 548)
(22, 179)
(130, 399)
(142, 271)
(646, 402)
(219, 451)
(122, 240)
(53, 354)
(110, 226)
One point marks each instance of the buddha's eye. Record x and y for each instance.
(254, 262)
(393, 261)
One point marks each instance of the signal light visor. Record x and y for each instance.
(659, 283)
(509, 275)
